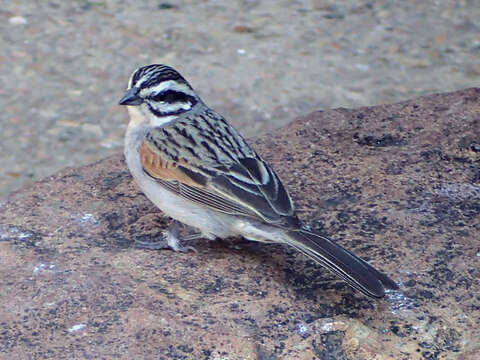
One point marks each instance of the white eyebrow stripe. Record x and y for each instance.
(167, 85)
(130, 80)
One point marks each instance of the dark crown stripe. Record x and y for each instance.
(156, 74)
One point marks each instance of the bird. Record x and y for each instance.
(200, 171)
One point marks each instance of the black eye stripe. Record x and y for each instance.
(171, 97)
(170, 102)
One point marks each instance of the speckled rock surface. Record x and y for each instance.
(399, 184)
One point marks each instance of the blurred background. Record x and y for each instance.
(65, 64)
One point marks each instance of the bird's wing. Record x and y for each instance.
(246, 187)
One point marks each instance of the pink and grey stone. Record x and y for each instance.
(398, 184)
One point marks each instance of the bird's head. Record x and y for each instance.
(159, 93)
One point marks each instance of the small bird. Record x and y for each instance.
(199, 170)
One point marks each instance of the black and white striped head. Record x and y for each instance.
(160, 92)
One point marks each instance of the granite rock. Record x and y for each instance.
(398, 184)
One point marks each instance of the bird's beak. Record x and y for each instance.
(131, 98)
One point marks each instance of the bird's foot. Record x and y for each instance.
(170, 239)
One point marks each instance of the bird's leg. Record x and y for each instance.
(170, 239)
(172, 234)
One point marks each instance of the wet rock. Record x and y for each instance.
(398, 184)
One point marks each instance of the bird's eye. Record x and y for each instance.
(170, 96)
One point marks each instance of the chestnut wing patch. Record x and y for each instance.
(162, 169)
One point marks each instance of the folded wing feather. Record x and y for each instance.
(247, 188)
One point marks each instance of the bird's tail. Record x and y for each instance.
(355, 271)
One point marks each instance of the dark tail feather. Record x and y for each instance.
(355, 271)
